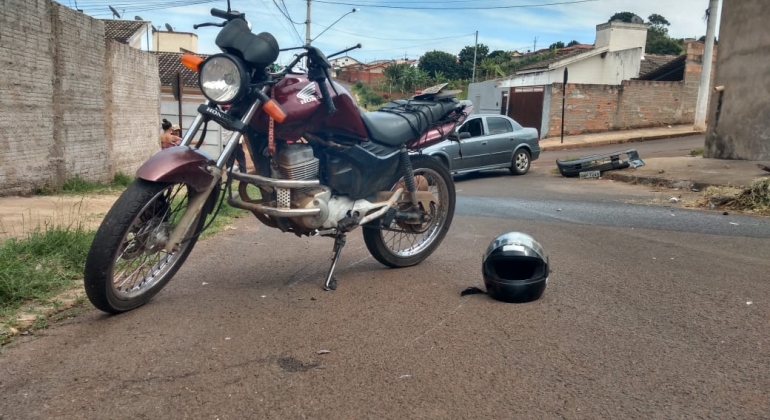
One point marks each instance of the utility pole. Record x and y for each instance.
(307, 25)
(475, 49)
(307, 32)
(701, 109)
(535, 48)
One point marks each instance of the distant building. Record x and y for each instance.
(167, 41)
(134, 33)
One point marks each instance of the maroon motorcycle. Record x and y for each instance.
(323, 167)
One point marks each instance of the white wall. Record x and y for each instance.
(619, 36)
(610, 70)
(486, 97)
(169, 109)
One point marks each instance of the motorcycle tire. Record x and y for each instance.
(382, 242)
(126, 234)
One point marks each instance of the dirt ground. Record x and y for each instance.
(21, 215)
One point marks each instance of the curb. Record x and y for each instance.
(654, 181)
(561, 147)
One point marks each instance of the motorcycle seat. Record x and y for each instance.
(404, 120)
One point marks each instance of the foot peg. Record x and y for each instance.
(331, 282)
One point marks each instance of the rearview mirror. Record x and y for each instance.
(459, 136)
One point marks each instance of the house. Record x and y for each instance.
(169, 41)
(372, 72)
(134, 33)
(662, 67)
(344, 61)
(615, 56)
(616, 61)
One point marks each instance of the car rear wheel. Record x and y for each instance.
(520, 162)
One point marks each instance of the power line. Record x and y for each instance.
(267, 6)
(392, 39)
(455, 8)
(291, 22)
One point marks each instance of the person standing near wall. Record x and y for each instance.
(168, 139)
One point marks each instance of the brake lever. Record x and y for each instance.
(344, 51)
(219, 25)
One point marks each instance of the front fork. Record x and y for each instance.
(193, 210)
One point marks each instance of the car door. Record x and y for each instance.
(474, 150)
(501, 140)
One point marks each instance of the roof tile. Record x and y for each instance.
(122, 30)
(169, 63)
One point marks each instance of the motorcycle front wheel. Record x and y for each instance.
(404, 245)
(126, 265)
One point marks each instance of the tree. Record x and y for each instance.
(659, 22)
(440, 61)
(573, 43)
(466, 59)
(497, 53)
(556, 45)
(658, 41)
(626, 17)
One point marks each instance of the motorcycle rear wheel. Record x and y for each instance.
(403, 245)
(126, 265)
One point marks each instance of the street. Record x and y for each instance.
(650, 312)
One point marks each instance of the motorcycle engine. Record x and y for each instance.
(297, 162)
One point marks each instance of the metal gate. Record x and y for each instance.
(526, 106)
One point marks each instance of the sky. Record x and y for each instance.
(388, 33)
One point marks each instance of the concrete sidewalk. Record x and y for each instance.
(616, 137)
(670, 172)
(691, 173)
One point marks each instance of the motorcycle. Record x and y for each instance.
(323, 167)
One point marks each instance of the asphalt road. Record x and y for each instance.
(646, 315)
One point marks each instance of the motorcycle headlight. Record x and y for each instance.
(223, 79)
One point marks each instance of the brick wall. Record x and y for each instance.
(78, 133)
(26, 100)
(132, 92)
(633, 104)
(355, 76)
(58, 118)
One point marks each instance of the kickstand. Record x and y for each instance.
(331, 282)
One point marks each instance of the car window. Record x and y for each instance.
(474, 127)
(516, 126)
(498, 125)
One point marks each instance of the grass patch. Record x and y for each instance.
(755, 199)
(77, 185)
(41, 265)
(225, 217)
(50, 259)
(697, 152)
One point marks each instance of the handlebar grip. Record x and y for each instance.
(219, 13)
(326, 98)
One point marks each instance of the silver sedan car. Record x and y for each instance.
(488, 142)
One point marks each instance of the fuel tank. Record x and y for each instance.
(301, 100)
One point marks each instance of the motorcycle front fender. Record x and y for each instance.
(183, 165)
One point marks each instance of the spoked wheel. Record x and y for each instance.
(126, 265)
(520, 162)
(405, 244)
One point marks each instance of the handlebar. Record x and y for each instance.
(326, 98)
(220, 13)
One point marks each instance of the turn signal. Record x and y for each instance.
(274, 110)
(192, 62)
